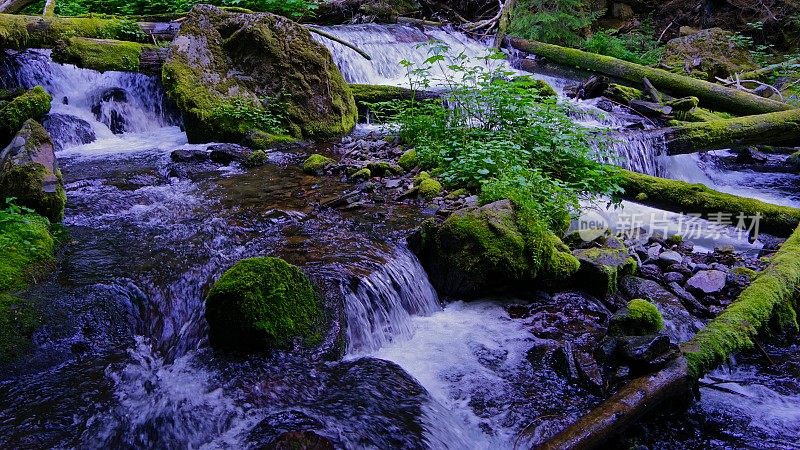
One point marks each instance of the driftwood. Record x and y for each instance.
(710, 94)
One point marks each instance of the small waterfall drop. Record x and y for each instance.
(643, 152)
(111, 103)
(381, 305)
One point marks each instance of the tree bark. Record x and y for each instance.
(774, 128)
(711, 95)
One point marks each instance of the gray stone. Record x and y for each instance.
(670, 257)
(674, 277)
(708, 281)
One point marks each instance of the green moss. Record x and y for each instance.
(289, 67)
(21, 32)
(263, 303)
(601, 267)
(745, 271)
(371, 93)
(100, 54)
(639, 318)
(422, 176)
(430, 188)
(256, 159)
(623, 94)
(316, 164)
(383, 168)
(456, 194)
(773, 291)
(27, 249)
(408, 160)
(676, 195)
(362, 174)
(33, 104)
(783, 126)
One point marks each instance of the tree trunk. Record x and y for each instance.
(774, 128)
(49, 8)
(12, 6)
(711, 95)
(680, 196)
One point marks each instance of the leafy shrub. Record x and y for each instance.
(244, 112)
(636, 47)
(497, 135)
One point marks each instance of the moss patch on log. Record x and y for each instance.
(710, 94)
(100, 54)
(20, 32)
(773, 291)
(680, 196)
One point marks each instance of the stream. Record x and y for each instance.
(123, 361)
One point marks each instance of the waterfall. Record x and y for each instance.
(643, 152)
(112, 103)
(380, 306)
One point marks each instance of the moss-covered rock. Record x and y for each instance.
(639, 318)
(484, 249)
(602, 266)
(256, 159)
(101, 54)
(232, 74)
(794, 160)
(27, 251)
(362, 174)
(384, 168)
(707, 54)
(430, 188)
(29, 172)
(262, 304)
(408, 160)
(33, 104)
(316, 164)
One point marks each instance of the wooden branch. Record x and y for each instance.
(340, 41)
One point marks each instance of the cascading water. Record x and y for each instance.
(381, 306)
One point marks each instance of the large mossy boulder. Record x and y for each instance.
(29, 173)
(708, 54)
(234, 75)
(263, 304)
(602, 265)
(486, 249)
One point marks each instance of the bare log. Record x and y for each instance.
(711, 95)
(632, 402)
(774, 128)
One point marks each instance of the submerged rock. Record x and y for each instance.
(29, 172)
(105, 112)
(68, 130)
(235, 74)
(261, 304)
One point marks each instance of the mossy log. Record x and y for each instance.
(107, 54)
(21, 32)
(711, 95)
(12, 6)
(770, 299)
(623, 409)
(375, 93)
(680, 196)
(781, 127)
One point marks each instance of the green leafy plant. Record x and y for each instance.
(294, 9)
(497, 134)
(269, 116)
(638, 47)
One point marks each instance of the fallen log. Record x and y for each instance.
(773, 128)
(21, 32)
(371, 93)
(105, 54)
(711, 95)
(680, 196)
(12, 6)
(624, 408)
(769, 302)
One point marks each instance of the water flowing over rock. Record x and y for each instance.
(232, 73)
(29, 172)
(68, 130)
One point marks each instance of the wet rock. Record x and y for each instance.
(647, 353)
(590, 374)
(605, 105)
(682, 268)
(707, 281)
(306, 440)
(678, 321)
(189, 156)
(650, 109)
(674, 277)
(669, 257)
(602, 265)
(650, 271)
(66, 130)
(750, 155)
(228, 153)
(689, 301)
(106, 111)
(29, 172)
